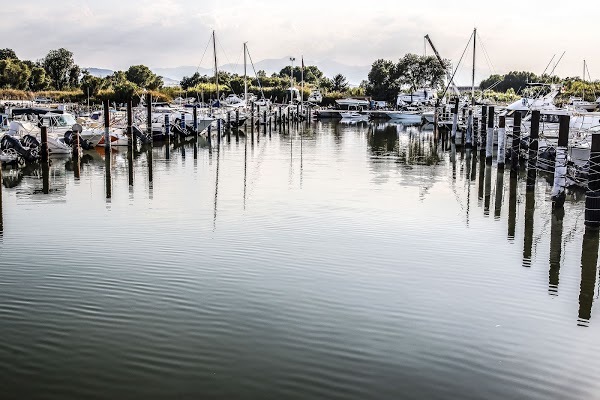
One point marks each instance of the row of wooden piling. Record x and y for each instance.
(483, 139)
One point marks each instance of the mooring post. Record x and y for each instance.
(475, 131)
(149, 116)
(219, 131)
(44, 147)
(196, 120)
(106, 126)
(592, 195)
(280, 119)
(454, 119)
(75, 152)
(237, 124)
(533, 149)
(228, 126)
(560, 166)
(132, 138)
(489, 142)
(501, 141)
(483, 129)
(209, 135)
(167, 127)
(469, 133)
(182, 124)
(515, 153)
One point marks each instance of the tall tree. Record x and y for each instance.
(6, 54)
(340, 83)
(58, 65)
(14, 74)
(140, 75)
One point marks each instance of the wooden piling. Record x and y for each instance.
(132, 138)
(489, 142)
(196, 120)
(237, 124)
(483, 129)
(592, 195)
(44, 147)
(265, 120)
(167, 127)
(106, 126)
(558, 194)
(533, 149)
(149, 116)
(501, 141)
(454, 119)
(515, 153)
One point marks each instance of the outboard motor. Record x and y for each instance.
(70, 138)
(30, 141)
(10, 142)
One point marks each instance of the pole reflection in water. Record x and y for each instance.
(245, 168)
(512, 205)
(469, 155)
(216, 192)
(168, 150)
(528, 237)
(130, 165)
(589, 262)
(453, 159)
(556, 230)
(150, 161)
(76, 167)
(499, 193)
(488, 190)
(45, 178)
(107, 163)
(474, 166)
(481, 179)
(1, 189)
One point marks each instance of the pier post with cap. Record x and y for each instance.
(44, 145)
(592, 195)
(106, 126)
(489, 142)
(533, 149)
(515, 153)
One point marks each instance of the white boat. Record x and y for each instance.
(56, 140)
(578, 103)
(234, 101)
(411, 115)
(350, 102)
(315, 96)
(420, 96)
(354, 115)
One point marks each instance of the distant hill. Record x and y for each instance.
(172, 76)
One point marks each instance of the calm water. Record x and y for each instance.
(352, 262)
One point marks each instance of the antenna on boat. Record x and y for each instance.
(546, 69)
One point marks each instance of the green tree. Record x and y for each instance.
(14, 74)
(340, 83)
(91, 84)
(193, 81)
(6, 54)
(38, 80)
(58, 65)
(140, 75)
(383, 82)
(156, 83)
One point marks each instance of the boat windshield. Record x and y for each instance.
(66, 120)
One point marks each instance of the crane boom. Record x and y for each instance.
(456, 91)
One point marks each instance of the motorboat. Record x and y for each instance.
(23, 130)
(315, 96)
(353, 115)
(419, 96)
(350, 102)
(578, 103)
(234, 101)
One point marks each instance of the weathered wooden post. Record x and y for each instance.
(219, 131)
(196, 120)
(149, 117)
(558, 194)
(44, 147)
(475, 131)
(454, 119)
(469, 133)
(237, 124)
(106, 126)
(167, 127)
(533, 149)
(228, 126)
(75, 154)
(483, 129)
(209, 136)
(489, 142)
(501, 141)
(132, 138)
(592, 195)
(515, 153)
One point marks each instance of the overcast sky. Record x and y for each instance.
(518, 35)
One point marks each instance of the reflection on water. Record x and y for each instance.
(348, 262)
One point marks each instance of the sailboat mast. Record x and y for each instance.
(216, 68)
(245, 78)
(473, 76)
(583, 86)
